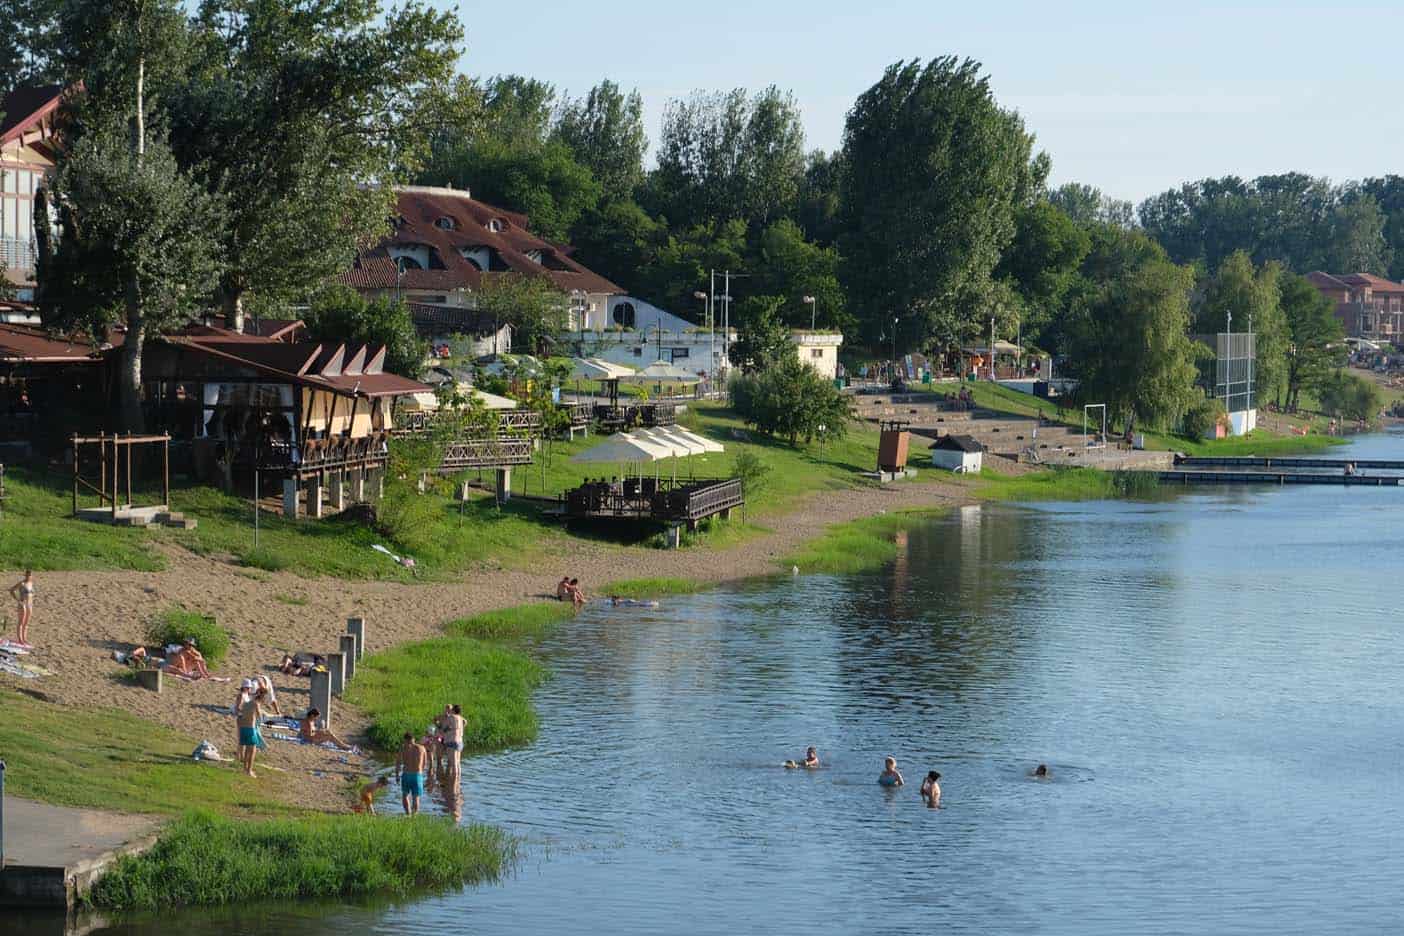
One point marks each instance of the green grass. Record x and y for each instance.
(406, 688)
(651, 587)
(206, 860)
(1062, 484)
(522, 621)
(175, 625)
(37, 531)
(109, 759)
(866, 543)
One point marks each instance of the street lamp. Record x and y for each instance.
(702, 297)
(813, 310)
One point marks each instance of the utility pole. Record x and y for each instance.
(992, 351)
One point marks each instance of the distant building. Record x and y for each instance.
(1368, 306)
(461, 331)
(26, 156)
(633, 332)
(819, 349)
(959, 453)
(445, 244)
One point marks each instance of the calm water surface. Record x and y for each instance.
(1213, 678)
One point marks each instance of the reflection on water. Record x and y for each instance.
(1212, 679)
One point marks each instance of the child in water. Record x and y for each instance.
(367, 804)
(811, 760)
(889, 776)
(931, 790)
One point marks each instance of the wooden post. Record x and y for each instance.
(116, 475)
(102, 457)
(129, 469)
(75, 474)
(166, 471)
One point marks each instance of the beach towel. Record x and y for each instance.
(14, 667)
(193, 678)
(297, 739)
(14, 647)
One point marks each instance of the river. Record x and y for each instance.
(1212, 677)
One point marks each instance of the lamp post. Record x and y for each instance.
(894, 347)
(711, 335)
(813, 310)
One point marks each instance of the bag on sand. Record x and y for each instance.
(206, 751)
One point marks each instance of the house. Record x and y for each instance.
(26, 156)
(460, 331)
(315, 416)
(45, 383)
(635, 333)
(960, 453)
(819, 349)
(1369, 306)
(445, 244)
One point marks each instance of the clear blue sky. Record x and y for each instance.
(1128, 100)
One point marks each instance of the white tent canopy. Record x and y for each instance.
(708, 445)
(676, 444)
(597, 369)
(662, 372)
(425, 401)
(622, 447)
(494, 402)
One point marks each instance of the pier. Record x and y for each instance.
(1276, 477)
(1249, 461)
(52, 854)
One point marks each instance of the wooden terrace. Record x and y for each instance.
(659, 500)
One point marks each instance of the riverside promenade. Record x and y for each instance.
(52, 854)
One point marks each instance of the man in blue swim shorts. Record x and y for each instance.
(250, 740)
(412, 762)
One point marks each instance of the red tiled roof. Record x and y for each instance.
(1372, 282)
(1326, 280)
(23, 107)
(419, 211)
(29, 344)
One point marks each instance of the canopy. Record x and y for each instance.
(676, 444)
(708, 445)
(423, 401)
(662, 372)
(623, 447)
(1001, 347)
(494, 402)
(597, 369)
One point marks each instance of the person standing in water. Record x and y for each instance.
(23, 593)
(931, 790)
(411, 763)
(889, 776)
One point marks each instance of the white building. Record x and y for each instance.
(819, 350)
(958, 453)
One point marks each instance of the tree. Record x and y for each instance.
(818, 208)
(933, 173)
(27, 44)
(1388, 192)
(792, 400)
(291, 109)
(1357, 237)
(1041, 263)
(1350, 396)
(605, 133)
(137, 245)
(762, 340)
(793, 268)
(1251, 298)
(1127, 339)
(339, 313)
(1314, 337)
(533, 306)
(1087, 205)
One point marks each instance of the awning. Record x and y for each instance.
(622, 447)
(597, 369)
(676, 444)
(494, 402)
(708, 445)
(661, 372)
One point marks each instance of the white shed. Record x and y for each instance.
(957, 453)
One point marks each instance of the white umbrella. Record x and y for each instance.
(708, 445)
(680, 445)
(662, 372)
(597, 369)
(422, 402)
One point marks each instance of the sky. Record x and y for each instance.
(1131, 100)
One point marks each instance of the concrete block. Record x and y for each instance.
(336, 666)
(356, 626)
(290, 504)
(348, 650)
(314, 499)
(149, 679)
(321, 696)
(504, 484)
(336, 493)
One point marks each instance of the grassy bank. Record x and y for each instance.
(481, 666)
(206, 860)
(861, 544)
(651, 588)
(1063, 484)
(109, 759)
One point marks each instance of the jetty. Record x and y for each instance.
(52, 854)
(1249, 469)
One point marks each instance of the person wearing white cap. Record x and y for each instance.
(270, 697)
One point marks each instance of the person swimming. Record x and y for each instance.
(810, 762)
(1041, 772)
(617, 602)
(890, 776)
(931, 790)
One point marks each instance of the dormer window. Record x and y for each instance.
(534, 256)
(497, 225)
(446, 224)
(407, 263)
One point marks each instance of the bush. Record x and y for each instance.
(177, 624)
(205, 860)
(1201, 419)
(791, 399)
(1350, 396)
(511, 623)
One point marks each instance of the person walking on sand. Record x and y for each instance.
(410, 765)
(453, 742)
(23, 593)
(250, 740)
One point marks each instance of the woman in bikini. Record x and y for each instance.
(23, 593)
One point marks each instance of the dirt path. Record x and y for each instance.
(81, 617)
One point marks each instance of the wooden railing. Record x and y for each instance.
(499, 452)
(647, 499)
(515, 420)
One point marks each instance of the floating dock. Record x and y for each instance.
(1276, 477)
(1320, 464)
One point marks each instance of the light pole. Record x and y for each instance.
(813, 310)
(894, 347)
(711, 336)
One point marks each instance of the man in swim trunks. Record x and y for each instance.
(411, 764)
(453, 742)
(250, 740)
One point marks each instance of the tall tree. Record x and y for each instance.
(1088, 205)
(292, 109)
(934, 171)
(1314, 350)
(1251, 298)
(27, 44)
(1388, 192)
(1042, 264)
(1357, 236)
(818, 208)
(1128, 340)
(791, 268)
(605, 132)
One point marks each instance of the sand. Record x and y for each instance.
(81, 617)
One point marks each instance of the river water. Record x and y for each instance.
(1213, 678)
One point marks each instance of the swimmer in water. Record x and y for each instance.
(1041, 772)
(811, 761)
(890, 776)
(931, 790)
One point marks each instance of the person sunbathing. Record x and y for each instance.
(310, 733)
(301, 664)
(187, 662)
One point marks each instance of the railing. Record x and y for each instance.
(499, 452)
(521, 420)
(316, 454)
(653, 500)
(713, 499)
(18, 254)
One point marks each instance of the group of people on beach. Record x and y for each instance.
(892, 777)
(441, 747)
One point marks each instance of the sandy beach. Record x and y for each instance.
(81, 617)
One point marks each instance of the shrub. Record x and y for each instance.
(1350, 396)
(1201, 418)
(792, 400)
(176, 624)
(509, 623)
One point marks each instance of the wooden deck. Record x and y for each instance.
(686, 502)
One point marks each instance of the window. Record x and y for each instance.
(638, 352)
(497, 225)
(623, 314)
(408, 263)
(446, 224)
(680, 353)
(816, 352)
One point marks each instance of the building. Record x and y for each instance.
(1368, 306)
(959, 453)
(26, 156)
(819, 350)
(459, 331)
(445, 244)
(633, 332)
(49, 387)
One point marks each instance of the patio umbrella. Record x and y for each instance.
(679, 447)
(494, 402)
(708, 445)
(606, 372)
(623, 448)
(660, 372)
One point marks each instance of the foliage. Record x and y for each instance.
(1314, 335)
(792, 400)
(176, 625)
(1203, 417)
(533, 306)
(1350, 396)
(406, 688)
(1087, 205)
(605, 132)
(1041, 263)
(206, 860)
(530, 620)
(761, 341)
(651, 587)
(933, 173)
(1250, 299)
(1128, 335)
(27, 44)
(752, 471)
(792, 268)
(339, 313)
